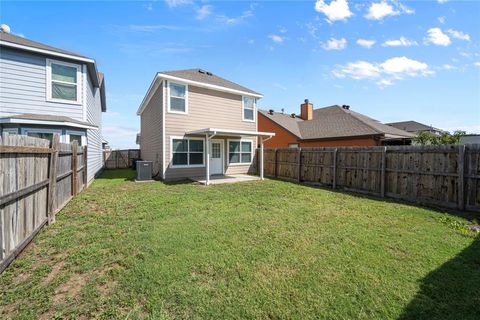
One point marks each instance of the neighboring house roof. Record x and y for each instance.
(413, 126)
(199, 78)
(31, 118)
(334, 122)
(20, 43)
(8, 37)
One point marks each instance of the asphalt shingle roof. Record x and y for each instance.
(412, 126)
(46, 117)
(200, 75)
(333, 122)
(8, 37)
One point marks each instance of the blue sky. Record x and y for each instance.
(391, 60)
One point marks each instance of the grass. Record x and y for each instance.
(266, 250)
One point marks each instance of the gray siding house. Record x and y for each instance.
(46, 90)
(194, 123)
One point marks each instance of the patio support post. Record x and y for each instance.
(207, 160)
(261, 157)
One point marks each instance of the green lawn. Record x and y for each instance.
(268, 250)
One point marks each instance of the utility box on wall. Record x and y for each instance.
(144, 170)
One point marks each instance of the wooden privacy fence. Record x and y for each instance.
(120, 159)
(37, 179)
(446, 176)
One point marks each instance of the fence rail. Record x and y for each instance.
(120, 159)
(38, 178)
(446, 176)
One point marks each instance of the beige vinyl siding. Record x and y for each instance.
(151, 131)
(206, 109)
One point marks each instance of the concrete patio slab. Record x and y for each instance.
(220, 179)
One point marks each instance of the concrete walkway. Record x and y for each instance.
(219, 179)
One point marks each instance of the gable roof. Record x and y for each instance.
(412, 126)
(202, 76)
(8, 37)
(198, 78)
(20, 43)
(334, 122)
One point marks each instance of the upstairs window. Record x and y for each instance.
(177, 98)
(248, 109)
(63, 81)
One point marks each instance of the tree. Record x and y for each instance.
(428, 138)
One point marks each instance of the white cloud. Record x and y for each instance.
(251, 41)
(276, 38)
(442, 1)
(402, 42)
(336, 10)
(447, 67)
(235, 20)
(401, 66)
(203, 12)
(120, 137)
(441, 20)
(335, 44)
(358, 70)
(152, 27)
(458, 35)
(382, 9)
(148, 6)
(387, 72)
(366, 43)
(384, 83)
(283, 30)
(177, 3)
(477, 64)
(437, 37)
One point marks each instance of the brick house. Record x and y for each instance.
(333, 126)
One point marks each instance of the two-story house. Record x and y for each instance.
(194, 123)
(46, 90)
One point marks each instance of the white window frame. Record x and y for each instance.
(79, 82)
(77, 133)
(25, 131)
(171, 165)
(293, 145)
(168, 97)
(254, 109)
(240, 163)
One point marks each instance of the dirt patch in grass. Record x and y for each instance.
(52, 274)
(71, 288)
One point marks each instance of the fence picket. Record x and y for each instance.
(445, 176)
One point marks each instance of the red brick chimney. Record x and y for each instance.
(306, 110)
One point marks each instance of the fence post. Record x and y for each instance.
(276, 170)
(299, 164)
(461, 176)
(74, 168)
(382, 173)
(52, 184)
(334, 168)
(85, 169)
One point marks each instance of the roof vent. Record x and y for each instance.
(346, 107)
(270, 111)
(202, 71)
(293, 115)
(283, 110)
(209, 73)
(306, 101)
(5, 28)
